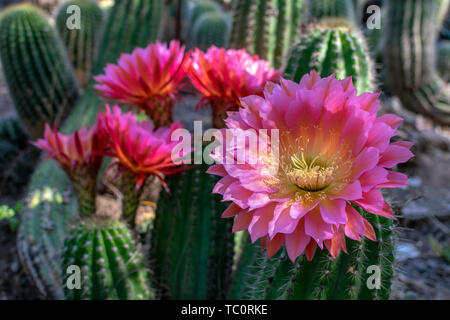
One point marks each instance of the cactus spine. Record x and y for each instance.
(192, 247)
(111, 265)
(36, 67)
(410, 53)
(324, 277)
(266, 27)
(81, 44)
(130, 24)
(211, 29)
(332, 50)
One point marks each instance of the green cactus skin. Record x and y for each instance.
(345, 277)
(266, 27)
(320, 9)
(211, 29)
(112, 267)
(191, 246)
(410, 57)
(332, 50)
(36, 67)
(200, 8)
(443, 58)
(17, 156)
(130, 24)
(81, 44)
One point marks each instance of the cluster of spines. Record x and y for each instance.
(130, 24)
(335, 50)
(81, 43)
(324, 277)
(271, 27)
(111, 265)
(36, 67)
(192, 247)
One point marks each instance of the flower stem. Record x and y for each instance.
(160, 112)
(131, 195)
(84, 185)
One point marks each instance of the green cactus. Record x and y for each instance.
(81, 44)
(266, 27)
(36, 68)
(17, 157)
(346, 277)
(410, 57)
(332, 50)
(443, 60)
(192, 247)
(129, 24)
(112, 266)
(211, 29)
(200, 8)
(323, 9)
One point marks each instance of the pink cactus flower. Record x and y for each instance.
(148, 79)
(80, 156)
(225, 76)
(137, 146)
(333, 152)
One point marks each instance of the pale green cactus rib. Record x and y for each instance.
(211, 29)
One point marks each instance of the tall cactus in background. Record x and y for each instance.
(130, 23)
(345, 277)
(211, 29)
(323, 9)
(36, 67)
(332, 50)
(81, 44)
(113, 267)
(192, 246)
(410, 56)
(443, 60)
(266, 27)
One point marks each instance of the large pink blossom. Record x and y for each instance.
(333, 152)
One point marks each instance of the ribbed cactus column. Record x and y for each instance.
(192, 247)
(410, 56)
(81, 43)
(443, 60)
(130, 24)
(36, 68)
(346, 277)
(111, 265)
(323, 9)
(211, 29)
(328, 50)
(266, 27)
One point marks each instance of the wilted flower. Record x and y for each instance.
(333, 152)
(224, 76)
(80, 155)
(148, 79)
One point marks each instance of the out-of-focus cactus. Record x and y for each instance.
(410, 57)
(443, 59)
(17, 156)
(266, 27)
(332, 50)
(36, 67)
(211, 29)
(111, 265)
(192, 246)
(324, 9)
(199, 8)
(130, 24)
(81, 44)
(346, 277)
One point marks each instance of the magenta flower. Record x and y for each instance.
(148, 79)
(333, 152)
(225, 76)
